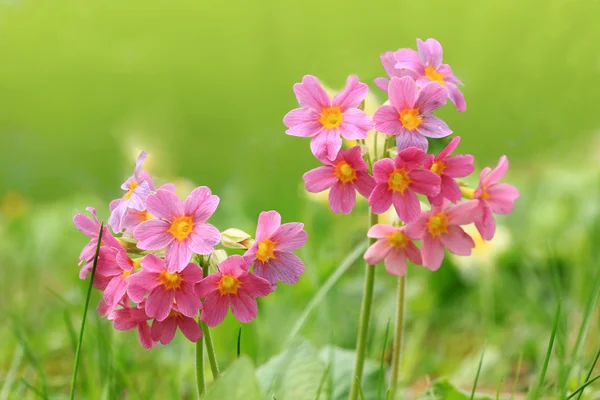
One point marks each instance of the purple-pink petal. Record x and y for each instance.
(409, 139)
(188, 303)
(502, 197)
(164, 204)
(268, 223)
(159, 303)
(407, 206)
(200, 204)
(403, 93)
(342, 197)
(364, 183)
(243, 307)
(326, 144)
(377, 252)
(320, 178)
(431, 97)
(208, 285)
(425, 182)
(457, 241)
(459, 166)
(178, 255)
(290, 237)
(432, 252)
(153, 235)
(190, 329)
(204, 238)
(352, 95)
(254, 285)
(497, 173)
(395, 262)
(387, 120)
(382, 170)
(299, 116)
(380, 199)
(456, 97)
(140, 284)
(305, 129)
(214, 309)
(164, 331)
(434, 127)
(311, 94)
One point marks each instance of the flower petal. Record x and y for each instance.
(377, 252)
(190, 329)
(164, 331)
(464, 213)
(411, 139)
(290, 237)
(311, 94)
(459, 166)
(200, 204)
(395, 262)
(153, 235)
(434, 127)
(382, 170)
(352, 95)
(204, 238)
(432, 252)
(403, 93)
(497, 173)
(326, 144)
(299, 116)
(268, 223)
(407, 206)
(457, 241)
(425, 182)
(140, 284)
(214, 309)
(177, 255)
(159, 303)
(380, 199)
(387, 120)
(320, 178)
(456, 97)
(287, 267)
(164, 204)
(243, 307)
(502, 197)
(342, 197)
(380, 231)
(364, 183)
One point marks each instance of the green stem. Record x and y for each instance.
(363, 327)
(210, 348)
(87, 303)
(200, 384)
(398, 336)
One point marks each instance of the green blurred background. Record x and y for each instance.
(203, 86)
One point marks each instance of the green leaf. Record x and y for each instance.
(444, 390)
(238, 382)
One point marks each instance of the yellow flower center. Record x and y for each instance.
(397, 240)
(484, 194)
(145, 215)
(132, 186)
(181, 227)
(432, 74)
(399, 180)
(169, 281)
(331, 117)
(136, 263)
(229, 284)
(467, 193)
(438, 167)
(266, 249)
(410, 118)
(437, 224)
(344, 172)
(126, 274)
(175, 314)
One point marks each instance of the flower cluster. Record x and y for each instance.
(406, 177)
(155, 254)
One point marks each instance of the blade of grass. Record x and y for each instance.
(32, 359)
(587, 378)
(478, 372)
(239, 342)
(381, 370)
(33, 389)
(12, 372)
(322, 381)
(87, 303)
(360, 390)
(512, 395)
(538, 389)
(498, 389)
(585, 323)
(582, 387)
(324, 289)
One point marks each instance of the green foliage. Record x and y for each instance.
(237, 383)
(443, 390)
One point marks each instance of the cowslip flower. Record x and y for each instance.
(493, 198)
(389, 59)
(399, 181)
(164, 288)
(232, 286)
(164, 331)
(449, 167)
(133, 217)
(325, 119)
(272, 251)
(409, 114)
(440, 227)
(90, 227)
(427, 63)
(179, 226)
(394, 246)
(127, 319)
(116, 286)
(345, 175)
(137, 187)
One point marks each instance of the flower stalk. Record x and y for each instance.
(398, 336)
(210, 348)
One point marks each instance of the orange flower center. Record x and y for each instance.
(437, 224)
(438, 167)
(344, 172)
(126, 274)
(169, 281)
(181, 227)
(484, 194)
(331, 117)
(266, 250)
(410, 118)
(432, 74)
(399, 180)
(175, 314)
(397, 240)
(229, 284)
(132, 186)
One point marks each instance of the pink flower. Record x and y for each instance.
(394, 246)
(133, 217)
(116, 286)
(409, 114)
(449, 167)
(427, 64)
(165, 287)
(164, 331)
(272, 254)
(389, 59)
(325, 119)
(137, 187)
(399, 181)
(126, 319)
(180, 226)
(231, 286)
(90, 227)
(493, 197)
(441, 227)
(344, 175)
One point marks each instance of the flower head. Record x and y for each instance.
(164, 331)
(272, 252)
(493, 198)
(389, 59)
(440, 228)
(179, 226)
(399, 181)
(164, 288)
(137, 188)
(116, 278)
(449, 167)
(345, 175)
(127, 318)
(427, 65)
(328, 120)
(409, 114)
(232, 286)
(394, 246)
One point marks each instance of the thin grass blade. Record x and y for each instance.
(477, 374)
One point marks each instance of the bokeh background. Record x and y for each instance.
(203, 87)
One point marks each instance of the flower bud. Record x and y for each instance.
(214, 259)
(234, 238)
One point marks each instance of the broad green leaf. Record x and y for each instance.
(238, 382)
